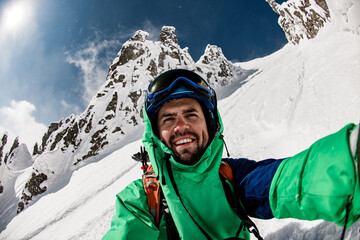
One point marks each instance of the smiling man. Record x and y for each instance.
(183, 136)
(182, 127)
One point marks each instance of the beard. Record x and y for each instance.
(188, 156)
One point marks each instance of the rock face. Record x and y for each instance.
(214, 65)
(114, 114)
(2, 145)
(301, 19)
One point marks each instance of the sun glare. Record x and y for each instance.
(15, 15)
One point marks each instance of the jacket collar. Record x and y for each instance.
(158, 150)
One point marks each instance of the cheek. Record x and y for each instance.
(164, 135)
(205, 137)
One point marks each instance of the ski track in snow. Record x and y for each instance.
(296, 99)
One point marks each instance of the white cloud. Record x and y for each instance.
(94, 57)
(153, 31)
(70, 107)
(93, 61)
(17, 120)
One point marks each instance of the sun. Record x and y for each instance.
(15, 15)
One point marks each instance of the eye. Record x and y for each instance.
(191, 115)
(168, 119)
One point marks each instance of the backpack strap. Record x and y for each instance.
(171, 230)
(157, 203)
(152, 190)
(225, 172)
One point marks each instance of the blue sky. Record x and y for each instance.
(55, 54)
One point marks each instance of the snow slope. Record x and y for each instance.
(83, 208)
(294, 97)
(297, 95)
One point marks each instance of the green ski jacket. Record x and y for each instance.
(319, 183)
(200, 189)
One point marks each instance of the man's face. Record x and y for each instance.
(182, 127)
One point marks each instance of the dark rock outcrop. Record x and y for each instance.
(301, 19)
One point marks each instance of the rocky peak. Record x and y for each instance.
(167, 35)
(212, 53)
(131, 50)
(2, 146)
(301, 19)
(140, 36)
(215, 66)
(114, 114)
(20, 158)
(10, 154)
(13, 159)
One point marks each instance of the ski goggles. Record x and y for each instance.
(176, 84)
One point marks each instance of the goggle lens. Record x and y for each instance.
(166, 80)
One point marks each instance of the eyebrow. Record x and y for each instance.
(171, 114)
(189, 110)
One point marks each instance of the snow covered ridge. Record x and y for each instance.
(303, 19)
(112, 119)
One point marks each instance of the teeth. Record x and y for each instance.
(183, 141)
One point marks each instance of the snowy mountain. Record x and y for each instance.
(274, 106)
(113, 117)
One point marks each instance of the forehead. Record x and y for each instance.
(181, 104)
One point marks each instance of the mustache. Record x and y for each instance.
(185, 133)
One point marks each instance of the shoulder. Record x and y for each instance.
(137, 184)
(243, 167)
(133, 200)
(240, 166)
(132, 218)
(136, 187)
(235, 162)
(247, 163)
(133, 193)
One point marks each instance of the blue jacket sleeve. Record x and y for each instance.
(252, 182)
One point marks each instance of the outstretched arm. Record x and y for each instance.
(321, 182)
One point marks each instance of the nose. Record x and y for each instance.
(181, 124)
